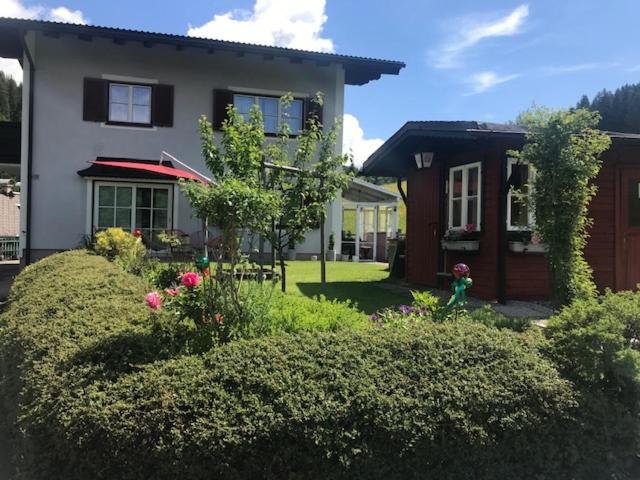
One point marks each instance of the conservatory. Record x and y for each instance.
(369, 221)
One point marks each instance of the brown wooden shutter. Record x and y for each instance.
(312, 109)
(221, 100)
(162, 106)
(95, 106)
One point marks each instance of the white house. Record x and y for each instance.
(95, 93)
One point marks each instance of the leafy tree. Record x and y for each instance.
(308, 179)
(564, 147)
(235, 201)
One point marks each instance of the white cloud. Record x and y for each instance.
(469, 32)
(11, 68)
(63, 14)
(580, 67)
(354, 142)
(281, 23)
(483, 81)
(15, 9)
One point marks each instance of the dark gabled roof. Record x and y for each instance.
(389, 159)
(358, 70)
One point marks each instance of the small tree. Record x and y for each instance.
(564, 147)
(235, 201)
(307, 180)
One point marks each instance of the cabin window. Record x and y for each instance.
(129, 103)
(520, 215)
(465, 186)
(273, 112)
(129, 206)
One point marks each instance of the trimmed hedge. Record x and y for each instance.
(102, 397)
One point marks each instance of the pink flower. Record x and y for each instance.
(218, 318)
(137, 233)
(190, 279)
(172, 292)
(535, 239)
(154, 300)
(470, 227)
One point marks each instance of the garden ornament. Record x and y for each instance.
(461, 282)
(202, 263)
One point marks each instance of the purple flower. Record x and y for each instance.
(374, 317)
(406, 309)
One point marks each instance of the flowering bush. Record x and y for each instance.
(121, 247)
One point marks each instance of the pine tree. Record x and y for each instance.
(620, 110)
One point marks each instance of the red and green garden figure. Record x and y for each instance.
(461, 281)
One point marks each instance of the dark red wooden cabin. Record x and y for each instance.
(465, 176)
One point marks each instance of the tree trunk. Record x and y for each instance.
(283, 272)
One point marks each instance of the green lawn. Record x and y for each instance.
(364, 283)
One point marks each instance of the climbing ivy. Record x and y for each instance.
(564, 146)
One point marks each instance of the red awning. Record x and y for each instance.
(152, 167)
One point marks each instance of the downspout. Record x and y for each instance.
(32, 69)
(400, 189)
(501, 267)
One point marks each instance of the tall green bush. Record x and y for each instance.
(102, 394)
(565, 148)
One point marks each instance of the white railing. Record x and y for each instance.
(9, 247)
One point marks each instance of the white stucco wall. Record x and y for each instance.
(63, 143)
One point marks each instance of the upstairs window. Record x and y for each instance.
(273, 112)
(465, 186)
(129, 103)
(520, 215)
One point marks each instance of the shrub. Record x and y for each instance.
(596, 344)
(489, 317)
(118, 245)
(103, 393)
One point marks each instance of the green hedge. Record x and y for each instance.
(102, 397)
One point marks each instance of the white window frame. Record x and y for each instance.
(131, 86)
(170, 187)
(256, 101)
(465, 194)
(531, 213)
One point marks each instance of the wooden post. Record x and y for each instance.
(375, 232)
(323, 250)
(356, 254)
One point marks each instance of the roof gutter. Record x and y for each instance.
(32, 71)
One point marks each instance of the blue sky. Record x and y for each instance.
(466, 60)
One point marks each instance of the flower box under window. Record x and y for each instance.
(461, 245)
(527, 247)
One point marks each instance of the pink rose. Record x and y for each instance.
(218, 318)
(154, 300)
(172, 292)
(190, 279)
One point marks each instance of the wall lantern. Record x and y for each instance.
(423, 159)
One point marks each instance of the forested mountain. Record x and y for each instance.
(10, 99)
(620, 110)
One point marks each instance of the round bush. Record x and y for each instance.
(101, 396)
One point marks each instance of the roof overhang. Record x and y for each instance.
(358, 70)
(360, 191)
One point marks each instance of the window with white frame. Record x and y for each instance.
(129, 103)
(130, 206)
(465, 188)
(273, 112)
(520, 215)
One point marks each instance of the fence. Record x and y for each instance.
(9, 247)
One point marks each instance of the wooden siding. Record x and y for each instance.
(526, 275)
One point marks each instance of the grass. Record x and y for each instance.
(366, 284)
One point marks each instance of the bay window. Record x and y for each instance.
(520, 215)
(465, 187)
(130, 206)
